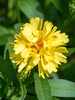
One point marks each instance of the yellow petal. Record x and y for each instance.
(61, 40)
(47, 26)
(51, 33)
(32, 62)
(48, 66)
(48, 58)
(18, 47)
(11, 44)
(17, 36)
(37, 23)
(51, 40)
(16, 58)
(61, 49)
(59, 57)
(21, 66)
(41, 71)
(56, 33)
(26, 53)
(46, 73)
(12, 55)
(17, 61)
(27, 31)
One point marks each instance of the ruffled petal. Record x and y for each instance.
(61, 49)
(59, 57)
(27, 31)
(12, 55)
(61, 40)
(32, 62)
(48, 58)
(49, 66)
(16, 58)
(51, 33)
(22, 65)
(11, 44)
(36, 23)
(26, 53)
(47, 26)
(18, 47)
(40, 70)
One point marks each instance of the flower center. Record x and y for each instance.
(39, 44)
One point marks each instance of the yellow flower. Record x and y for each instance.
(35, 45)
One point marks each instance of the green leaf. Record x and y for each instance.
(10, 91)
(71, 51)
(3, 39)
(7, 70)
(62, 88)
(55, 98)
(2, 86)
(3, 35)
(30, 8)
(7, 46)
(47, 2)
(3, 31)
(42, 88)
(14, 97)
(11, 4)
(10, 49)
(62, 6)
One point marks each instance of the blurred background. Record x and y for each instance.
(14, 13)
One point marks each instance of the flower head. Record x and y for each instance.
(35, 45)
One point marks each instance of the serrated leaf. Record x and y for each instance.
(30, 8)
(42, 88)
(62, 88)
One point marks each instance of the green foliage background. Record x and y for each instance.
(13, 86)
